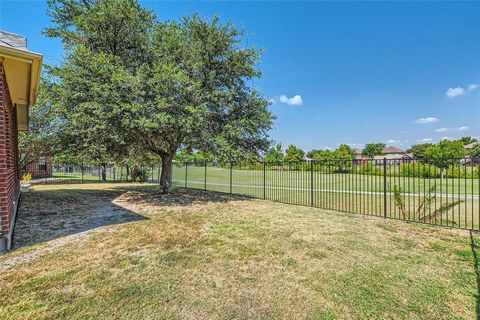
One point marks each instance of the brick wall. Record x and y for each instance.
(41, 168)
(9, 167)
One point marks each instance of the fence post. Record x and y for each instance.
(231, 172)
(186, 173)
(385, 188)
(311, 183)
(205, 181)
(264, 180)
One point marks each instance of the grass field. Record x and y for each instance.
(123, 251)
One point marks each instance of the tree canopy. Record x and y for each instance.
(467, 140)
(373, 149)
(294, 153)
(275, 154)
(132, 83)
(419, 150)
(446, 153)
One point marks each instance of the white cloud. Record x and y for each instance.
(460, 91)
(455, 92)
(425, 140)
(426, 120)
(446, 138)
(463, 128)
(294, 101)
(393, 141)
(472, 87)
(272, 101)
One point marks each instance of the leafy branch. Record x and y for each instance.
(424, 206)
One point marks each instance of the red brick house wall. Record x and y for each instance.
(41, 168)
(9, 165)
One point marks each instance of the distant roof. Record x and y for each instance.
(13, 40)
(357, 150)
(393, 157)
(471, 145)
(393, 150)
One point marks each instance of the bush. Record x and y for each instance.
(139, 174)
(369, 168)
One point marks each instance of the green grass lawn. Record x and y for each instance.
(198, 255)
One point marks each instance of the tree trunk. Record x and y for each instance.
(128, 172)
(166, 175)
(104, 171)
(441, 172)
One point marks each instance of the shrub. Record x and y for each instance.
(139, 174)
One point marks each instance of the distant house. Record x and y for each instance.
(471, 145)
(393, 155)
(40, 168)
(469, 160)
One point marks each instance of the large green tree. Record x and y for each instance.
(195, 93)
(96, 85)
(131, 83)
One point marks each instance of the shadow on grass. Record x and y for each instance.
(50, 213)
(475, 253)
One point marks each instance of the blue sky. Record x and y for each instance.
(398, 73)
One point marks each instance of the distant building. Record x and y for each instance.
(40, 168)
(471, 145)
(393, 155)
(469, 160)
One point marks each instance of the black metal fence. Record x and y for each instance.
(91, 173)
(442, 192)
(433, 191)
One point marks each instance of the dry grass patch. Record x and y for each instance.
(196, 255)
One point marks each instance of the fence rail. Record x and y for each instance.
(443, 192)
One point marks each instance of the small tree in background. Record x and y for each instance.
(419, 150)
(445, 154)
(294, 154)
(344, 155)
(467, 140)
(275, 154)
(321, 155)
(373, 149)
